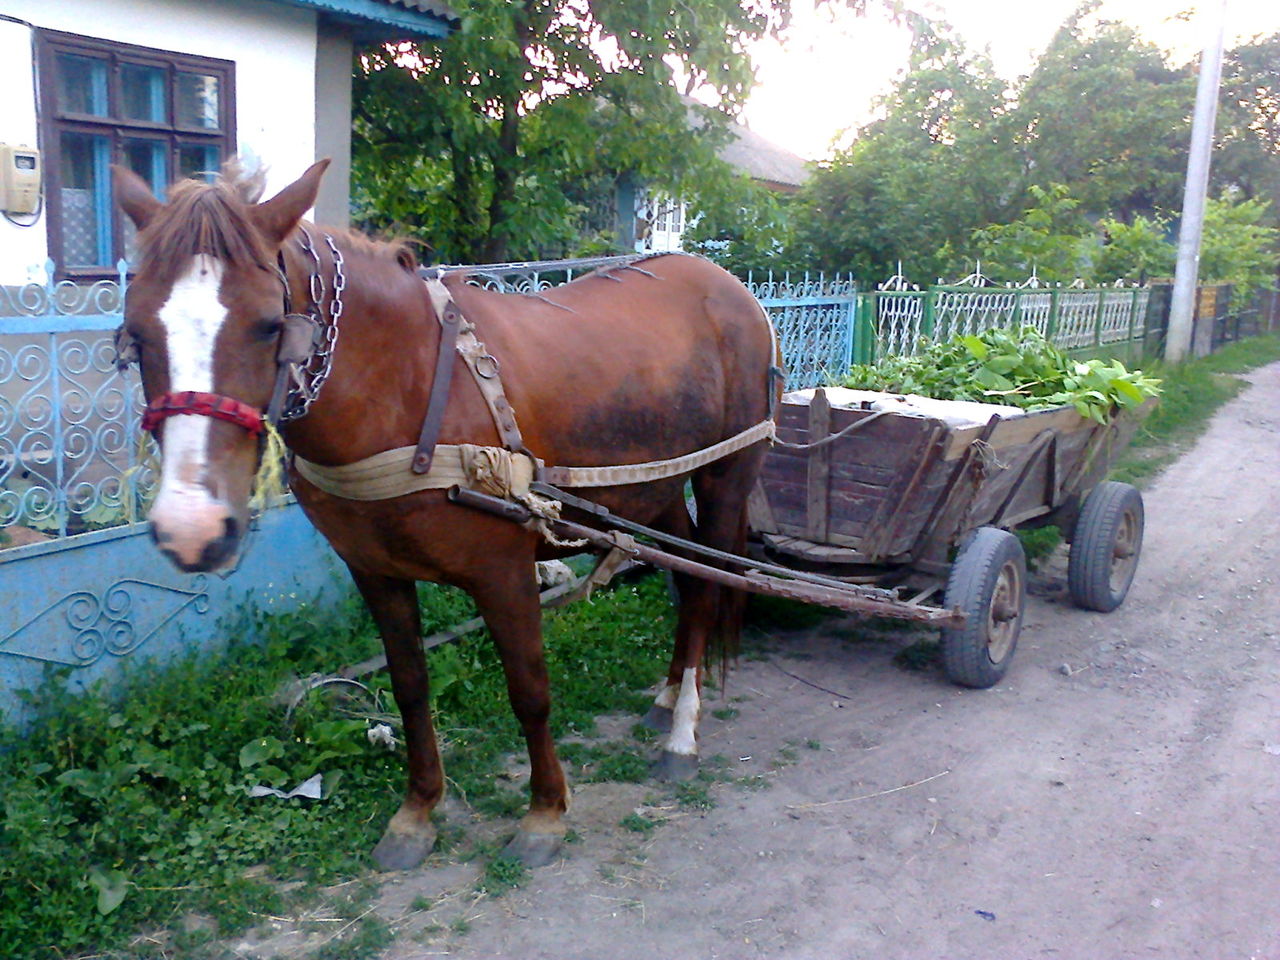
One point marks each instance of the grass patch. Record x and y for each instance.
(366, 940)
(616, 762)
(694, 795)
(502, 875)
(1192, 393)
(129, 813)
(638, 824)
(1039, 542)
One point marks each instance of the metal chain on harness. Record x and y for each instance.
(308, 377)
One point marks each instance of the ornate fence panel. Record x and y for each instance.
(1078, 320)
(816, 318)
(68, 418)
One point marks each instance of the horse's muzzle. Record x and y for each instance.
(203, 540)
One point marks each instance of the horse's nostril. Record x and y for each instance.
(230, 528)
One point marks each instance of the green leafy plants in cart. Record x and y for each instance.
(1018, 367)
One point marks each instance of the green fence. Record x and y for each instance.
(896, 321)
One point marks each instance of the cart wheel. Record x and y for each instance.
(1105, 547)
(988, 583)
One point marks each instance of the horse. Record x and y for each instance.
(629, 366)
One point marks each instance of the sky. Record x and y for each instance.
(824, 75)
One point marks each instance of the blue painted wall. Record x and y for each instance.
(98, 602)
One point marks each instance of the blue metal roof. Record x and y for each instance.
(388, 20)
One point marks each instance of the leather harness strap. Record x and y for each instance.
(450, 320)
(458, 333)
(383, 476)
(656, 469)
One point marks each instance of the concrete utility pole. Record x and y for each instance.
(1182, 307)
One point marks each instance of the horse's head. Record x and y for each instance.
(206, 313)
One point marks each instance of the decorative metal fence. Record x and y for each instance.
(899, 319)
(816, 317)
(68, 418)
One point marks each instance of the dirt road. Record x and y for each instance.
(1118, 795)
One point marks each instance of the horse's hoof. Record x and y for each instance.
(675, 767)
(658, 719)
(403, 850)
(534, 849)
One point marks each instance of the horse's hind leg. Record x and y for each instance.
(675, 521)
(708, 612)
(508, 601)
(394, 605)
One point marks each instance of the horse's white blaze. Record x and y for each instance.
(684, 724)
(667, 697)
(191, 318)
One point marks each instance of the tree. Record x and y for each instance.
(1238, 248)
(1247, 150)
(746, 228)
(1136, 251)
(1051, 241)
(1103, 113)
(919, 180)
(470, 143)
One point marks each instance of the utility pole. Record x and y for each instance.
(1182, 307)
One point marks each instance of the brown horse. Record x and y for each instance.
(624, 367)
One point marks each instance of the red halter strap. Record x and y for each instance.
(202, 405)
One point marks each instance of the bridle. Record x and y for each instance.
(304, 356)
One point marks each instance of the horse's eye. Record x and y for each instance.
(268, 329)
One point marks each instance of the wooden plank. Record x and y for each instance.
(1015, 431)
(759, 513)
(819, 467)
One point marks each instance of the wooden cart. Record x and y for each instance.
(904, 510)
(919, 497)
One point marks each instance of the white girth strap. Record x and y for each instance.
(386, 475)
(497, 471)
(658, 469)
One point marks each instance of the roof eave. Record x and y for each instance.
(378, 21)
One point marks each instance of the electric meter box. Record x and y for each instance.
(19, 179)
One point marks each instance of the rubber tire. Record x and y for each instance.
(988, 556)
(1111, 513)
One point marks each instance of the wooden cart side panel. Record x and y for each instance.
(868, 491)
(1019, 490)
(1017, 432)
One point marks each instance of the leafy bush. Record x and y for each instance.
(1018, 367)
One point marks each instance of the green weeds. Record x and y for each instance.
(502, 875)
(131, 812)
(1192, 393)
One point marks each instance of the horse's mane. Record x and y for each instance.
(212, 218)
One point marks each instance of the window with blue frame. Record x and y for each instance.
(166, 116)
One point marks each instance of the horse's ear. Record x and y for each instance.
(277, 217)
(133, 195)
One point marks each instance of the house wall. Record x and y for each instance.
(334, 55)
(273, 46)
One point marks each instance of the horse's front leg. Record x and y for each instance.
(508, 601)
(394, 605)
